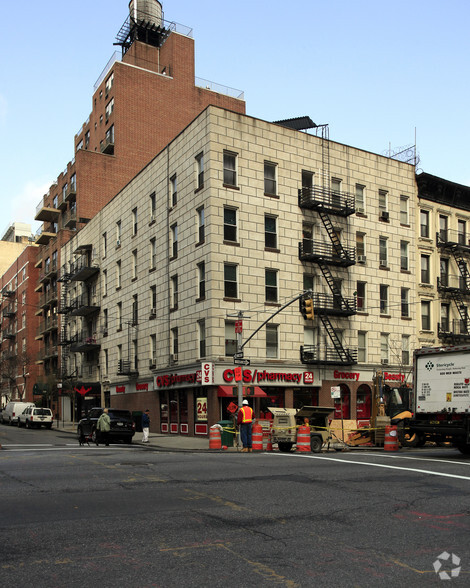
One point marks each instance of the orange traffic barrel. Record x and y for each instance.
(391, 438)
(215, 438)
(303, 439)
(257, 437)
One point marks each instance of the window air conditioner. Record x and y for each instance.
(384, 361)
(361, 258)
(153, 311)
(384, 215)
(118, 243)
(383, 262)
(359, 209)
(174, 357)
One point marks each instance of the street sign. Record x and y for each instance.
(238, 355)
(335, 392)
(241, 361)
(239, 326)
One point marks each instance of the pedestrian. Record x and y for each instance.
(103, 426)
(244, 421)
(145, 426)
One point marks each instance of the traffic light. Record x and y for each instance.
(306, 308)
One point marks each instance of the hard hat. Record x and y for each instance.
(245, 402)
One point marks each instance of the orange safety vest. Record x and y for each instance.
(247, 413)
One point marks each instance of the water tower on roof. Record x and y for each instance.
(145, 23)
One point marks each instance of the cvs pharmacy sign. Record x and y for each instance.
(207, 376)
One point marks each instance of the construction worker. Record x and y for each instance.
(244, 421)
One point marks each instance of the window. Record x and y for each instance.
(173, 190)
(230, 224)
(361, 296)
(383, 251)
(360, 247)
(230, 169)
(383, 291)
(445, 323)
(105, 244)
(109, 138)
(174, 343)
(307, 238)
(405, 302)
(230, 281)
(383, 207)
(134, 221)
(444, 272)
(425, 271)
(153, 206)
(105, 282)
(404, 210)
(271, 285)
(361, 346)
(135, 309)
(360, 203)
(202, 337)
(271, 341)
(336, 191)
(308, 282)
(109, 108)
(118, 274)
(119, 316)
(462, 232)
(153, 253)
(307, 180)
(200, 222)
(270, 185)
(135, 349)
(426, 316)
(404, 255)
(64, 192)
(174, 241)
(153, 300)
(384, 347)
(174, 292)
(200, 171)
(424, 223)
(153, 350)
(109, 83)
(201, 270)
(55, 202)
(405, 349)
(119, 354)
(87, 139)
(134, 264)
(270, 232)
(230, 339)
(118, 234)
(443, 226)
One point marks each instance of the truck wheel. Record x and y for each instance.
(464, 448)
(284, 446)
(406, 437)
(316, 443)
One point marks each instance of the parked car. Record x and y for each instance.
(122, 425)
(36, 417)
(12, 411)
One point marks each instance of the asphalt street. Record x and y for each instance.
(135, 516)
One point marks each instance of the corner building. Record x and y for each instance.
(239, 214)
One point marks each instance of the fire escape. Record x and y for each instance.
(455, 288)
(327, 202)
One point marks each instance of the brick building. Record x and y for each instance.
(143, 99)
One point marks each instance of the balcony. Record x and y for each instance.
(107, 146)
(321, 355)
(124, 369)
(70, 219)
(453, 240)
(334, 305)
(84, 305)
(43, 237)
(48, 324)
(9, 334)
(321, 252)
(455, 332)
(8, 293)
(327, 200)
(83, 270)
(455, 283)
(9, 313)
(71, 193)
(49, 271)
(46, 213)
(83, 341)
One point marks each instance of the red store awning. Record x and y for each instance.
(248, 392)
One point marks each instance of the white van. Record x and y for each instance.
(12, 411)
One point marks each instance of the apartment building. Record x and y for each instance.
(444, 256)
(19, 324)
(239, 214)
(144, 97)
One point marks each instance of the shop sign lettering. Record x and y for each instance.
(169, 380)
(397, 377)
(262, 376)
(201, 404)
(120, 389)
(142, 387)
(337, 375)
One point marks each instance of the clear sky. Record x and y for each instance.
(373, 70)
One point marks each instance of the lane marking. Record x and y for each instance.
(467, 463)
(72, 447)
(376, 465)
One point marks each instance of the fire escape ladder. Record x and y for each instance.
(338, 298)
(343, 354)
(459, 302)
(333, 235)
(462, 265)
